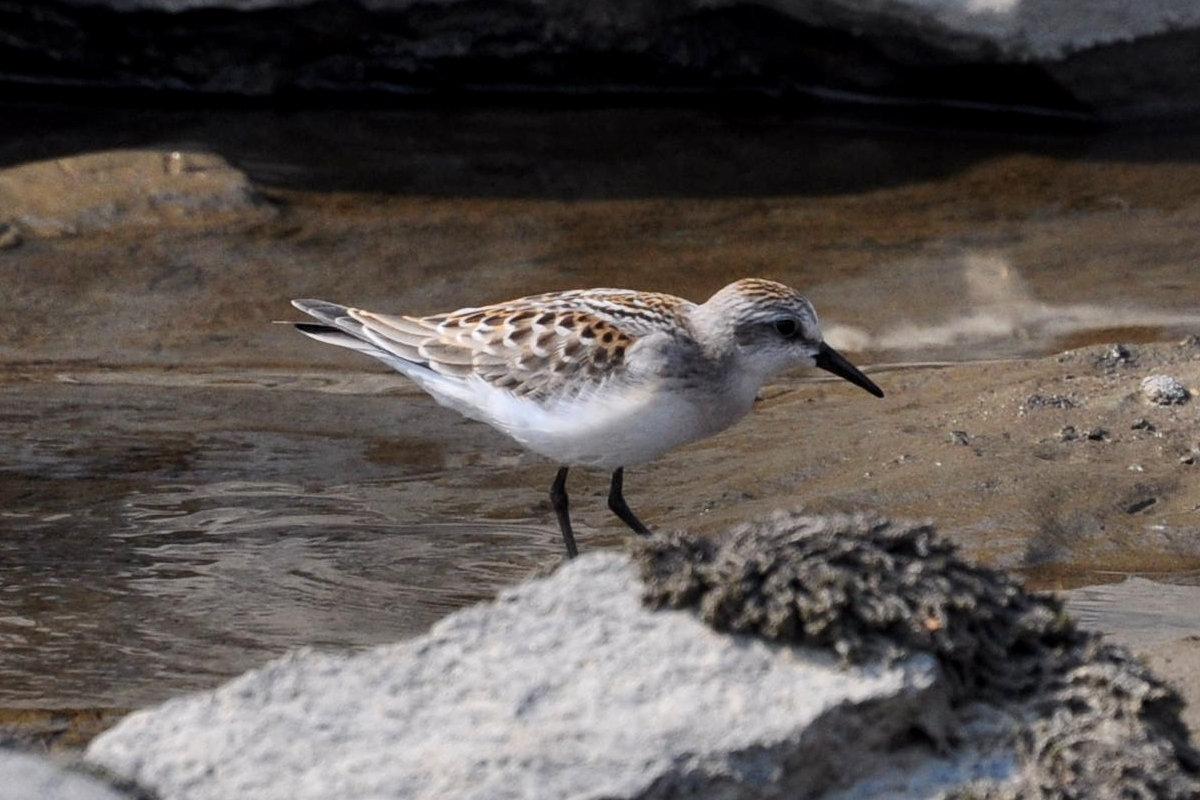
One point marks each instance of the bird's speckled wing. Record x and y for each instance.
(531, 346)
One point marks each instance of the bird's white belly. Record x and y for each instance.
(615, 431)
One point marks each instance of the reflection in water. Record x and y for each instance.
(1137, 611)
(192, 584)
(164, 532)
(977, 305)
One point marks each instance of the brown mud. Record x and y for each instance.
(188, 489)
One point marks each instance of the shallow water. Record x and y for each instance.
(145, 552)
(189, 490)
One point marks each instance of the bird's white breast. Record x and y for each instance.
(606, 429)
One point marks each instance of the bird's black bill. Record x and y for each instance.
(831, 360)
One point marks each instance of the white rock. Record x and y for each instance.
(28, 777)
(1025, 29)
(564, 687)
(1164, 390)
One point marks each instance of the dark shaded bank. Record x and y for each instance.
(813, 52)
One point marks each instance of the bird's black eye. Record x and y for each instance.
(785, 327)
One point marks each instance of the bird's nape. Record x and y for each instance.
(831, 360)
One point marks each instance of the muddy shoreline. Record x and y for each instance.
(191, 490)
(1059, 468)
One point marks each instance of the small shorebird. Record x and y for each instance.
(604, 378)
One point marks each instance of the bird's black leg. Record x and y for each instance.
(617, 504)
(558, 499)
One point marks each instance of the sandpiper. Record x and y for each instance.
(605, 378)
